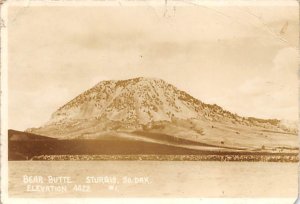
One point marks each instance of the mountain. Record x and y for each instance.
(138, 107)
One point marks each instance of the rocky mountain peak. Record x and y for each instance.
(134, 104)
(138, 100)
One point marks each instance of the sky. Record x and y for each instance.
(243, 58)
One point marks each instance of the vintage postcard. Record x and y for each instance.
(149, 101)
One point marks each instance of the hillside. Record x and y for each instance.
(144, 146)
(145, 106)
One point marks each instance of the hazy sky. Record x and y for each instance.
(241, 58)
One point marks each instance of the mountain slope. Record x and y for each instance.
(136, 101)
(154, 106)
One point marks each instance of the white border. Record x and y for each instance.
(4, 104)
(154, 200)
(77, 3)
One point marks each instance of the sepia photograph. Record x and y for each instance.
(145, 99)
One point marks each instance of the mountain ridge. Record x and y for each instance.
(120, 85)
(153, 105)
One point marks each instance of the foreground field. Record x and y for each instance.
(161, 179)
(138, 146)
